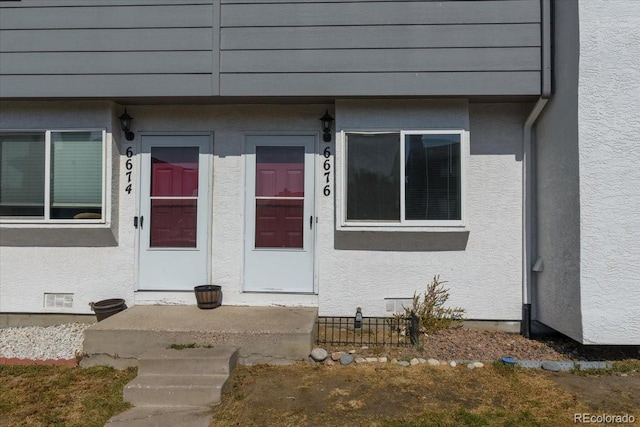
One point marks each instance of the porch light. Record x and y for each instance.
(125, 122)
(326, 120)
(357, 324)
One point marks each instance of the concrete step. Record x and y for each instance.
(162, 416)
(175, 390)
(217, 360)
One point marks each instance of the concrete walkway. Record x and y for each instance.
(163, 417)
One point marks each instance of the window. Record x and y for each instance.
(424, 188)
(52, 176)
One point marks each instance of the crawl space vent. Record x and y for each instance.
(396, 305)
(58, 300)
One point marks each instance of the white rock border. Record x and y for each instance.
(550, 365)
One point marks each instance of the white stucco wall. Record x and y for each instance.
(609, 125)
(90, 273)
(556, 289)
(484, 274)
(482, 264)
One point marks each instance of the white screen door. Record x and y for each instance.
(279, 213)
(174, 212)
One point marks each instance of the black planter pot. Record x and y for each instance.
(107, 307)
(208, 296)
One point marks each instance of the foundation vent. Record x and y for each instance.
(58, 300)
(396, 305)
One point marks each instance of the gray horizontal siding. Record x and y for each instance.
(256, 14)
(30, 4)
(371, 48)
(105, 86)
(69, 48)
(383, 84)
(382, 37)
(146, 48)
(108, 17)
(43, 63)
(89, 40)
(380, 60)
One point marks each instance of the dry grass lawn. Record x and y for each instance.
(39, 395)
(388, 395)
(305, 394)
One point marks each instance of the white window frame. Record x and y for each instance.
(404, 224)
(106, 181)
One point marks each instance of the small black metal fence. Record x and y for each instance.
(372, 331)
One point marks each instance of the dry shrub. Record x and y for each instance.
(431, 311)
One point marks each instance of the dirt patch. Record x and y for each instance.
(390, 395)
(609, 393)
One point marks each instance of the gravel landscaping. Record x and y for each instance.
(42, 343)
(479, 345)
(65, 342)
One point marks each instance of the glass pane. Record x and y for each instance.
(174, 171)
(373, 177)
(76, 175)
(173, 223)
(279, 223)
(280, 171)
(432, 177)
(22, 175)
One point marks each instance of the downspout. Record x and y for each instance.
(528, 215)
(528, 172)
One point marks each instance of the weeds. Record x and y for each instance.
(621, 367)
(191, 345)
(505, 368)
(430, 311)
(628, 365)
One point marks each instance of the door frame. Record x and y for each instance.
(138, 197)
(316, 145)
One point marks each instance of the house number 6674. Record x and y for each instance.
(128, 165)
(327, 171)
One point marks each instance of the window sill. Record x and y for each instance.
(457, 228)
(60, 223)
(43, 235)
(406, 239)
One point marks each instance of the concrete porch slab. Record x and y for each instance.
(263, 334)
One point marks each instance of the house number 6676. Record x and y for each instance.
(327, 171)
(128, 165)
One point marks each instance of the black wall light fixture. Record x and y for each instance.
(125, 122)
(326, 120)
(357, 323)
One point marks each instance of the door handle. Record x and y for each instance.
(141, 221)
(311, 222)
(135, 222)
